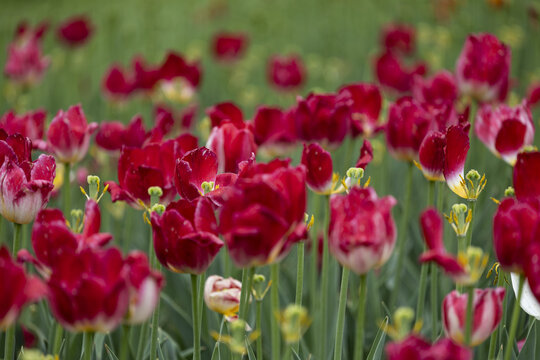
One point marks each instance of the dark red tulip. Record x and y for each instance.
(18, 289)
(263, 212)
(88, 291)
(75, 31)
(526, 179)
(68, 136)
(225, 112)
(113, 135)
(286, 72)
(321, 118)
(117, 84)
(483, 68)
(408, 123)
(366, 155)
(175, 66)
(365, 103)
(228, 46)
(151, 165)
(399, 38)
(362, 232)
(439, 88)
(318, 163)
(506, 131)
(175, 122)
(274, 129)
(185, 236)
(30, 125)
(392, 73)
(25, 186)
(533, 95)
(416, 348)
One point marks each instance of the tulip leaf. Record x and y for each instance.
(296, 356)
(529, 348)
(99, 340)
(251, 354)
(377, 348)
(112, 356)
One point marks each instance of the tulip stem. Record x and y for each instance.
(155, 315)
(421, 295)
(472, 204)
(58, 334)
(299, 281)
(324, 283)
(124, 342)
(433, 300)
(495, 335)
(402, 235)
(361, 317)
(259, 330)
(514, 323)
(142, 340)
(16, 239)
(10, 333)
(88, 344)
(469, 315)
(66, 190)
(247, 281)
(196, 319)
(274, 300)
(341, 313)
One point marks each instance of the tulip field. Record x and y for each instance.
(265, 180)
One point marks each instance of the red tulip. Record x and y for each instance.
(483, 68)
(75, 31)
(399, 38)
(440, 88)
(30, 125)
(533, 95)
(526, 180)
(68, 135)
(365, 103)
(225, 112)
(487, 313)
(362, 232)
(168, 120)
(505, 130)
(263, 213)
(185, 236)
(113, 135)
(175, 66)
(151, 165)
(318, 162)
(366, 155)
(321, 118)
(229, 46)
(117, 84)
(416, 348)
(144, 288)
(88, 291)
(18, 289)
(274, 130)
(286, 72)
(408, 124)
(392, 73)
(25, 186)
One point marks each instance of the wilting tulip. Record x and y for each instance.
(318, 163)
(286, 72)
(113, 135)
(263, 213)
(30, 125)
(321, 118)
(392, 73)
(416, 348)
(526, 179)
(88, 291)
(274, 130)
(144, 287)
(487, 313)
(75, 31)
(483, 68)
(68, 135)
(222, 295)
(25, 186)
(229, 46)
(365, 103)
(18, 289)
(399, 38)
(440, 88)
(152, 165)
(505, 130)
(408, 124)
(185, 236)
(362, 232)
(225, 112)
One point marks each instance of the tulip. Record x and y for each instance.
(222, 295)
(185, 236)
(30, 125)
(392, 73)
(263, 213)
(68, 135)
(365, 103)
(416, 348)
(75, 31)
(286, 72)
(504, 130)
(528, 303)
(526, 180)
(229, 46)
(483, 68)
(25, 186)
(487, 313)
(175, 66)
(362, 232)
(533, 95)
(112, 136)
(117, 84)
(440, 88)
(274, 130)
(399, 38)
(318, 162)
(225, 112)
(88, 291)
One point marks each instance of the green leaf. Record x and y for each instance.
(529, 348)
(112, 356)
(377, 347)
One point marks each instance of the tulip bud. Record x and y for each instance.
(509, 192)
(222, 295)
(294, 321)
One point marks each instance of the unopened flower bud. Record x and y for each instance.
(260, 286)
(509, 192)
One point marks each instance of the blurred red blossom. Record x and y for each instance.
(75, 31)
(286, 73)
(229, 46)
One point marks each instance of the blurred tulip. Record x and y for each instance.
(274, 130)
(222, 295)
(526, 179)
(416, 348)
(185, 236)
(533, 95)
(117, 84)
(365, 103)
(392, 73)
(362, 232)
(30, 124)
(225, 112)
(399, 38)
(318, 163)
(487, 313)
(439, 88)
(228, 46)
(286, 73)
(483, 68)
(75, 31)
(113, 135)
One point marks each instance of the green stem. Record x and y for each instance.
(259, 328)
(66, 190)
(495, 335)
(299, 281)
(421, 294)
(274, 299)
(247, 281)
(515, 318)
(155, 316)
(431, 193)
(196, 319)
(360, 322)
(433, 300)
(341, 313)
(324, 285)
(88, 344)
(142, 340)
(468, 242)
(9, 349)
(58, 335)
(469, 315)
(16, 239)
(124, 342)
(402, 235)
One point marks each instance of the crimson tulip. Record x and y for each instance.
(286, 72)
(533, 95)
(113, 135)
(394, 75)
(30, 124)
(319, 166)
(75, 31)
(365, 103)
(274, 130)
(439, 88)
(399, 38)
(415, 347)
(526, 180)
(227, 46)
(117, 84)
(225, 112)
